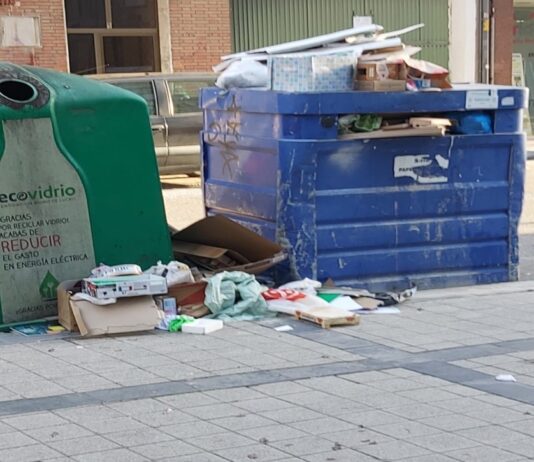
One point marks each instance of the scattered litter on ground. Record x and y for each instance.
(177, 323)
(285, 328)
(202, 326)
(505, 378)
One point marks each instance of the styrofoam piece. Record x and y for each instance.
(505, 378)
(202, 326)
(312, 42)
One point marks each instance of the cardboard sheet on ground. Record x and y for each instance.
(127, 315)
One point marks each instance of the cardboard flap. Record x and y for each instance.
(198, 250)
(219, 231)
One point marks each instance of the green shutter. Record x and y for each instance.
(257, 23)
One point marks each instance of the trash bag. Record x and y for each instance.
(244, 74)
(236, 296)
(174, 272)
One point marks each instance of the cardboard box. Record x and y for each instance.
(312, 72)
(217, 243)
(372, 71)
(190, 298)
(125, 286)
(127, 315)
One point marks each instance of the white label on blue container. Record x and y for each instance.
(508, 101)
(415, 167)
(482, 99)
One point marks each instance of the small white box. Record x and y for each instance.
(202, 326)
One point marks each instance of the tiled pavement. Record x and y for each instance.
(419, 386)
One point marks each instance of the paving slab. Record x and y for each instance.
(419, 386)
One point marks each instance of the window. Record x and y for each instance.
(19, 31)
(144, 89)
(133, 13)
(85, 14)
(82, 53)
(107, 36)
(185, 94)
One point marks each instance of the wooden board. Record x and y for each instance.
(404, 133)
(327, 317)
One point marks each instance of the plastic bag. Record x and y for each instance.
(174, 272)
(236, 296)
(307, 286)
(244, 74)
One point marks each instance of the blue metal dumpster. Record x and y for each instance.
(435, 211)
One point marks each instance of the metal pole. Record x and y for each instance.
(485, 44)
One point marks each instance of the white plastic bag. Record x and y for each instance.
(307, 286)
(174, 272)
(244, 74)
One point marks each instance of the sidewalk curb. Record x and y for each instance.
(475, 291)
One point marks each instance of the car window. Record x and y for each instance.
(184, 94)
(143, 89)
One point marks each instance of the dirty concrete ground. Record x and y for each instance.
(419, 386)
(414, 387)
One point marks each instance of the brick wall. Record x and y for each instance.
(200, 33)
(504, 37)
(53, 52)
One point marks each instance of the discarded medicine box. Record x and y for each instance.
(124, 286)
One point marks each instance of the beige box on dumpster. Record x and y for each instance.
(133, 314)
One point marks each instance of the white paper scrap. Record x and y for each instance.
(382, 310)
(285, 328)
(346, 303)
(505, 378)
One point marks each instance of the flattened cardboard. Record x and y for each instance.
(64, 312)
(135, 314)
(207, 237)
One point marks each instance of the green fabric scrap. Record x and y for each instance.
(176, 324)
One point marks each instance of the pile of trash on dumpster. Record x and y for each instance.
(219, 276)
(363, 58)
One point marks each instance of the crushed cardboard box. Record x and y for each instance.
(134, 314)
(190, 298)
(217, 243)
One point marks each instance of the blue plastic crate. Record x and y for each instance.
(378, 213)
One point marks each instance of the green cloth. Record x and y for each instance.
(236, 296)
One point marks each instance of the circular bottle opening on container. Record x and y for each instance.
(18, 91)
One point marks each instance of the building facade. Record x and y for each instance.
(118, 36)
(115, 36)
